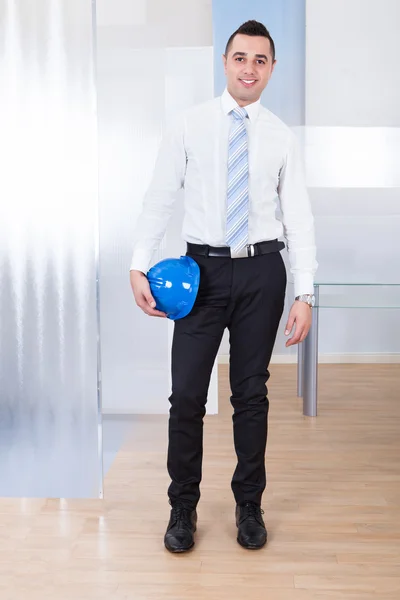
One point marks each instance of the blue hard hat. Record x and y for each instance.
(174, 283)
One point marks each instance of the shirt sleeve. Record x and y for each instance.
(298, 220)
(167, 179)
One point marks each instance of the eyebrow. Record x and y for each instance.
(245, 54)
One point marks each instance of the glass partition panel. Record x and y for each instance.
(50, 424)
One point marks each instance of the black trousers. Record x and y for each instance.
(245, 295)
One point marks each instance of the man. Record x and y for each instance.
(236, 162)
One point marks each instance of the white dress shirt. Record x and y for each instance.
(193, 156)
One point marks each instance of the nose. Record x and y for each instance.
(249, 71)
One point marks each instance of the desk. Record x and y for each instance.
(357, 296)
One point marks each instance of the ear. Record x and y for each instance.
(224, 61)
(273, 66)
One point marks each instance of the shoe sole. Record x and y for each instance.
(179, 550)
(249, 546)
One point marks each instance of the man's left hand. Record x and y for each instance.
(300, 316)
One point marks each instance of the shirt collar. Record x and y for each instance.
(228, 104)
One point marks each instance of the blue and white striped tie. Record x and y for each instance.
(238, 183)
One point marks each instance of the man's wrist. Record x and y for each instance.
(307, 299)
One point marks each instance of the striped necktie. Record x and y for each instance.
(238, 183)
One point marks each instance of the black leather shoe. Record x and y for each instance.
(181, 527)
(252, 533)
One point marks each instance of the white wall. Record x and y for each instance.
(352, 149)
(154, 59)
(353, 74)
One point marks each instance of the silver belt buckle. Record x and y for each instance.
(244, 252)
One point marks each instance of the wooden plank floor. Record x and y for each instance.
(332, 508)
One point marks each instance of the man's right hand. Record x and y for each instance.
(142, 293)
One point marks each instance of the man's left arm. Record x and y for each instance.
(298, 223)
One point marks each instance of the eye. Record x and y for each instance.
(239, 58)
(261, 61)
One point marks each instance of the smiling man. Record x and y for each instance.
(237, 163)
(247, 70)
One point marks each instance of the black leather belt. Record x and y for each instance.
(225, 251)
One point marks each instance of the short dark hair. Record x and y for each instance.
(254, 28)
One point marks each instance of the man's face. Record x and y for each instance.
(248, 68)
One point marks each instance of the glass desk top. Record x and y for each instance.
(360, 295)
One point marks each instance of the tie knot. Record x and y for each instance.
(239, 113)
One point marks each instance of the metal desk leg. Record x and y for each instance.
(310, 357)
(300, 369)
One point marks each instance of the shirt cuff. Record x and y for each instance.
(141, 260)
(303, 284)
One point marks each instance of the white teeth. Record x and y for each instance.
(248, 80)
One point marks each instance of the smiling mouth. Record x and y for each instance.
(248, 82)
